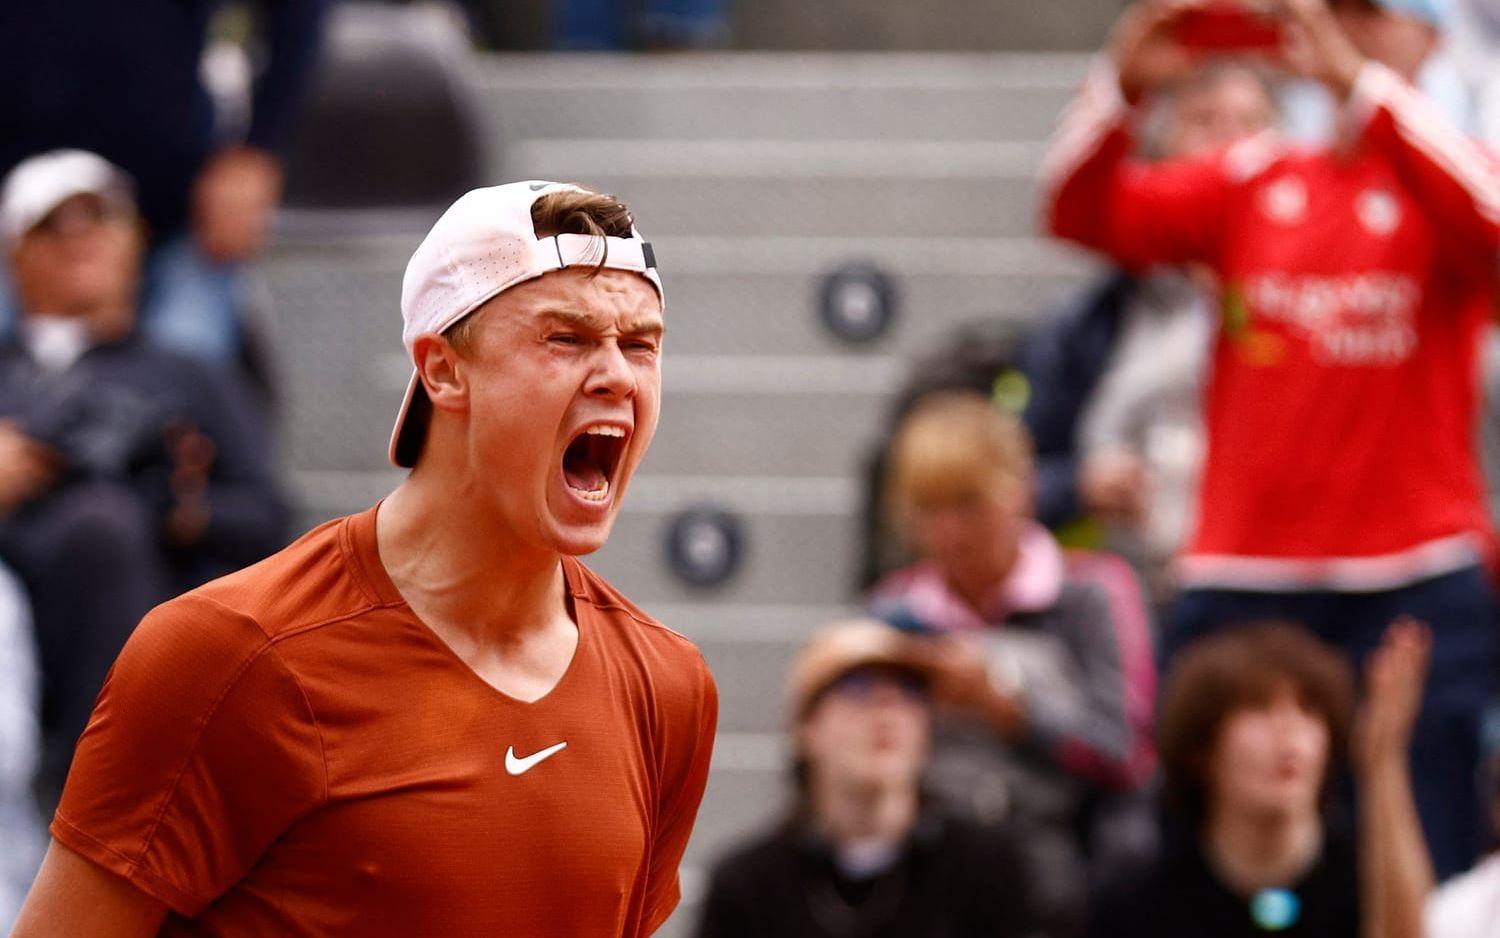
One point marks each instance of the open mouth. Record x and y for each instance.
(592, 459)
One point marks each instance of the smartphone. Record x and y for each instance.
(1227, 26)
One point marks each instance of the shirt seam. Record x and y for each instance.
(187, 758)
(134, 867)
(269, 645)
(312, 714)
(637, 617)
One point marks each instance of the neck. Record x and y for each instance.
(460, 568)
(1254, 853)
(854, 813)
(976, 588)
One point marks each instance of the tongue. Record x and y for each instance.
(581, 469)
(585, 478)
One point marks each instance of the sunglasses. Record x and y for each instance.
(862, 683)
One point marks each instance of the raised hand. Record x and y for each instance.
(1144, 49)
(1394, 677)
(1316, 46)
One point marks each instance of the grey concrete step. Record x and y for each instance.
(752, 295)
(799, 534)
(776, 97)
(912, 206)
(776, 410)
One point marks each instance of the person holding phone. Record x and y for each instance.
(1341, 486)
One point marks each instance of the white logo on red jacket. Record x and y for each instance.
(1378, 211)
(1354, 319)
(1285, 200)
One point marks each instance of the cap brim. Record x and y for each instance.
(410, 431)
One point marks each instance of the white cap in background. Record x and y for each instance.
(41, 183)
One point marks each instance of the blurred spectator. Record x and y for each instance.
(864, 853)
(127, 473)
(1255, 724)
(1468, 905)
(1474, 42)
(1046, 657)
(1116, 375)
(22, 837)
(125, 81)
(1413, 42)
(1341, 486)
(642, 24)
(981, 357)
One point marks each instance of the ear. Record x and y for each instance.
(441, 369)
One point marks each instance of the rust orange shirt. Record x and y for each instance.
(289, 751)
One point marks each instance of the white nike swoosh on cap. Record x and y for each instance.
(520, 766)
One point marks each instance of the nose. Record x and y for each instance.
(612, 376)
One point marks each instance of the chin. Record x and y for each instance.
(580, 540)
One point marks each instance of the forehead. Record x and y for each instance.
(607, 299)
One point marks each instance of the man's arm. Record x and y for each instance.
(1454, 178)
(238, 189)
(688, 746)
(247, 516)
(73, 898)
(1096, 194)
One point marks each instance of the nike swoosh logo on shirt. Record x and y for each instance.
(520, 766)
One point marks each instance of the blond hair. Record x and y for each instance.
(952, 445)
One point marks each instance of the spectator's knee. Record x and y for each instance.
(102, 521)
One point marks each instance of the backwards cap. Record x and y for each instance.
(484, 244)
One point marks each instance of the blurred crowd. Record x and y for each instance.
(135, 456)
(1248, 460)
(1179, 614)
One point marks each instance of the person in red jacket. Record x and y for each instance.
(1341, 487)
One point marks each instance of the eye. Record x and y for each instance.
(641, 345)
(564, 338)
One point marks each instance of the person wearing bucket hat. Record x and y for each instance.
(429, 717)
(863, 852)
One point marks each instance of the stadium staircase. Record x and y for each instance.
(754, 175)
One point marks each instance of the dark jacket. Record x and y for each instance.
(122, 79)
(1181, 897)
(109, 416)
(1064, 360)
(953, 880)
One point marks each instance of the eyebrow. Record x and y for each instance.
(646, 326)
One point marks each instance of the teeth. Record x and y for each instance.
(605, 431)
(598, 495)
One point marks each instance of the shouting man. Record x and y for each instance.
(427, 718)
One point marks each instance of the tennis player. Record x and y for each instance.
(428, 718)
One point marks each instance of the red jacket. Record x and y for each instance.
(1355, 284)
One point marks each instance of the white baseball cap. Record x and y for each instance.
(39, 184)
(484, 244)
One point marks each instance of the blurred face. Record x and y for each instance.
(868, 730)
(1206, 118)
(972, 536)
(1397, 40)
(563, 393)
(82, 259)
(1269, 761)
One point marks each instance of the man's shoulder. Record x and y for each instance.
(305, 584)
(630, 621)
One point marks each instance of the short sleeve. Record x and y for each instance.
(201, 751)
(687, 741)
